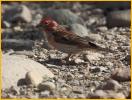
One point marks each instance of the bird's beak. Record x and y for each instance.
(39, 26)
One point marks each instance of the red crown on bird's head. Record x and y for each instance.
(49, 22)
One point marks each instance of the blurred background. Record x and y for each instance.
(22, 17)
(88, 13)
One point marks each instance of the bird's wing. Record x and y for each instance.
(71, 37)
(74, 39)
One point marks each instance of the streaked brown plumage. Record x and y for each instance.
(63, 40)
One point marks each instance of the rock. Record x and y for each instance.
(91, 21)
(111, 85)
(81, 96)
(63, 16)
(14, 90)
(6, 24)
(17, 44)
(4, 95)
(95, 37)
(77, 89)
(23, 53)
(121, 75)
(59, 55)
(63, 89)
(127, 59)
(110, 64)
(97, 11)
(75, 82)
(53, 56)
(127, 92)
(114, 95)
(34, 96)
(11, 96)
(79, 29)
(25, 14)
(119, 19)
(14, 69)
(19, 13)
(50, 86)
(94, 69)
(36, 20)
(103, 94)
(34, 78)
(70, 76)
(44, 94)
(93, 56)
(102, 29)
(78, 61)
(97, 94)
(17, 29)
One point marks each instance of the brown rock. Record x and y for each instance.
(119, 19)
(114, 95)
(121, 75)
(103, 94)
(112, 85)
(97, 94)
(50, 86)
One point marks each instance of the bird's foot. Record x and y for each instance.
(74, 59)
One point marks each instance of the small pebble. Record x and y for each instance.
(112, 85)
(78, 61)
(50, 86)
(44, 94)
(77, 90)
(93, 56)
(33, 78)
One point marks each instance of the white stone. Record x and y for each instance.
(93, 56)
(34, 78)
(15, 68)
(46, 86)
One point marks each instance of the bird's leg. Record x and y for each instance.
(67, 59)
(72, 56)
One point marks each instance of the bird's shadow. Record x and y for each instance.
(58, 62)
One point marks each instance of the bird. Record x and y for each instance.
(61, 39)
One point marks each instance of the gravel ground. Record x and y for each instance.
(93, 74)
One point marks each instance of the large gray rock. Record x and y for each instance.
(119, 19)
(79, 29)
(14, 69)
(18, 13)
(63, 16)
(17, 44)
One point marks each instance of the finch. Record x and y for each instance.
(58, 37)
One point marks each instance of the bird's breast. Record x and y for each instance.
(63, 47)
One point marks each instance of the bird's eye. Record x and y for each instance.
(46, 22)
